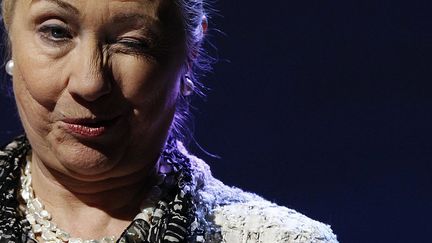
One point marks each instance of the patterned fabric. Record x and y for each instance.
(13, 228)
(199, 208)
(172, 217)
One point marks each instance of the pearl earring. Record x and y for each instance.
(187, 86)
(9, 67)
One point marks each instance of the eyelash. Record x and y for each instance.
(134, 45)
(47, 33)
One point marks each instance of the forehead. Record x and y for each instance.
(154, 9)
(163, 16)
(146, 4)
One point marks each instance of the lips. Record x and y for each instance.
(89, 127)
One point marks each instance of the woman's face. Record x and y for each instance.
(96, 82)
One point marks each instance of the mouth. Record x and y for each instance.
(86, 127)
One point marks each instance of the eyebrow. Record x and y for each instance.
(133, 17)
(61, 4)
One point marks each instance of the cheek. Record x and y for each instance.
(151, 89)
(37, 84)
(36, 74)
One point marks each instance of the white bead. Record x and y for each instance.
(91, 241)
(37, 228)
(31, 219)
(9, 67)
(62, 234)
(25, 195)
(45, 223)
(49, 225)
(110, 239)
(54, 241)
(31, 208)
(48, 235)
(44, 214)
(75, 240)
(143, 216)
(40, 219)
(158, 213)
(27, 182)
(148, 210)
(37, 205)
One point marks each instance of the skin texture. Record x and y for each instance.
(101, 60)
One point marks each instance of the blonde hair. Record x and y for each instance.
(7, 12)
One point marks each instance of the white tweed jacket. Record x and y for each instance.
(235, 216)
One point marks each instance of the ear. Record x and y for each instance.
(204, 27)
(204, 24)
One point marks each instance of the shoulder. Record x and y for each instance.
(261, 221)
(240, 216)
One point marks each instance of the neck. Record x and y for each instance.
(105, 207)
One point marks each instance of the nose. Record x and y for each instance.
(87, 79)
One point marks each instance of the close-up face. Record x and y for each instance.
(96, 82)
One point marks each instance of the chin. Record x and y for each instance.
(83, 160)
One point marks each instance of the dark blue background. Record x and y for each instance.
(325, 107)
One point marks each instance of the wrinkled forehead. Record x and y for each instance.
(161, 15)
(165, 11)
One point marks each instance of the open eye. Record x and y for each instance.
(55, 33)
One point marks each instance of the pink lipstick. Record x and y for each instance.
(85, 130)
(89, 127)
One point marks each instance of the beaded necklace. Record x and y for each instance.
(40, 219)
(169, 220)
